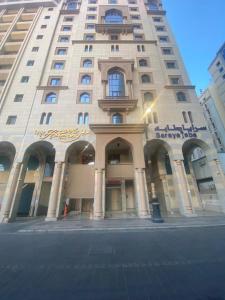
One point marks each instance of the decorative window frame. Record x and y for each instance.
(79, 92)
(85, 73)
(46, 92)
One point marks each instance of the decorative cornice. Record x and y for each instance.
(118, 128)
(180, 87)
(49, 87)
(114, 42)
(117, 104)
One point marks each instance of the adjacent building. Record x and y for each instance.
(97, 115)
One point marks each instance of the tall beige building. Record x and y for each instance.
(97, 111)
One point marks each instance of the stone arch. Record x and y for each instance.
(79, 170)
(159, 175)
(202, 175)
(33, 192)
(7, 156)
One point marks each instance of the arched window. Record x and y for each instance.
(4, 163)
(33, 163)
(117, 118)
(148, 97)
(71, 5)
(87, 63)
(85, 98)
(113, 16)
(49, 118)
(181, 96)
(190, 116)
(143, 63)
(145, 78)
(86, 79)
(116, 84)
(184, 116)
(86, 118)
(80, 118)
(152, 5)
(50, 98)
(42, 120)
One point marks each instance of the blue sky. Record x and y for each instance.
(199, 28)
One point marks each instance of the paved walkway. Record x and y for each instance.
(71, 224)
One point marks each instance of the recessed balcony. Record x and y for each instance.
(114, 28)
(7, 59)
(117, 104)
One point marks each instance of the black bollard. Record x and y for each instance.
(156, 214)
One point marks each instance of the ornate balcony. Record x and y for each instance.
(117, 104)
(114, 28)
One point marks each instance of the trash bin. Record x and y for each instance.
(156, 214)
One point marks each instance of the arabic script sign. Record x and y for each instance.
(178, 132)
(64, 135)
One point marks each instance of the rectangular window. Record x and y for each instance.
(18, 98)
(24, 79)
(135, 17)
(157, 19)
(114, 37)
(132, 2)
(35, 49)
(92, 8)
(30, 63)
(160, 28)
(89, 37)
(43, 26)
(92, 1)
(221, 69)
(175, 80)
(58, 65)
(140, 48)
(163, 39)
(68, 19)
(66, 28)
(47, 17)
(11, 120)
(61, 51)
(112, 1)
(64, 39)
(91, 17)
(115, 48)
(133, 8)
(171, 65)
(2, 82)
(138, 37)
(218, 64)
(90, 26)
(137, 26)
(167, 51)
(55, 81)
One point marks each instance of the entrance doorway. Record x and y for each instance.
(25, 200)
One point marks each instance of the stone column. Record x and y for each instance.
(123, 196)
(219, 180)
(104, 88)
(130, 92)
(10, 192)
(182, 189)
(98, 205)
(141, 193)
(54, 194)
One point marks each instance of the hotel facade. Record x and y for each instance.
(98, 115)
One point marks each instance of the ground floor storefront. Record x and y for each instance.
(116, 173)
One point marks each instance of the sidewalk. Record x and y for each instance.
(70, 225)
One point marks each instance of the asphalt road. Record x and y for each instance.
(182, 263)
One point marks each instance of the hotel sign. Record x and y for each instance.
(63, 135)
(178, 132)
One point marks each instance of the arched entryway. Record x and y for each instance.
(159, 176)
(7, 154)
(35, 181)
(119, 182)
(200, 175)
(79, 180)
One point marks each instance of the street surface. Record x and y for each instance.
(154, 264)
